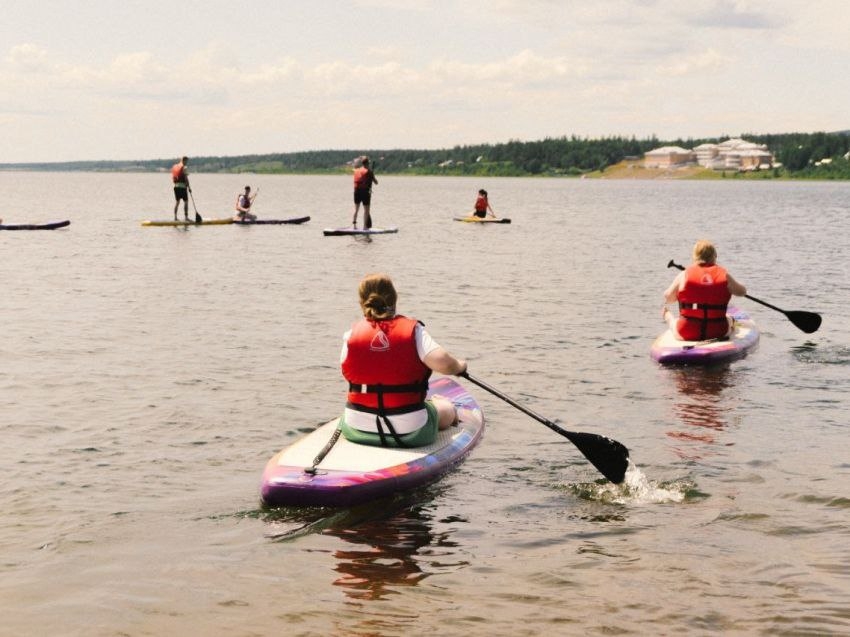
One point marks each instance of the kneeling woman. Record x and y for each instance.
(387, 360)
(703, 291)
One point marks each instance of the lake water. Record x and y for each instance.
(147, 375)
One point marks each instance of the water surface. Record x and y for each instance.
(147, 374)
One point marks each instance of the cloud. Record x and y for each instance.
(733, 14)
(28, 58)
(708, 60)
(525, 67)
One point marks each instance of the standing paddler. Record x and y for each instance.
(364, 177)
(180, 179)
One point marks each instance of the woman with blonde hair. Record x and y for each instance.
(387, 359)
(703, 291)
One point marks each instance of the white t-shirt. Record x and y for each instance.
(402, 423)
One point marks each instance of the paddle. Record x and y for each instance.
(607, 455)
(807, 321)
(198, 218)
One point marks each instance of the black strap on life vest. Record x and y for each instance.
(704, 320)
(382, 413)
(382, 419)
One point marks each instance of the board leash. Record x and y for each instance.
(324, 452)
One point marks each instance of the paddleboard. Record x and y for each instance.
(668, 350)
(205, 222)
(338, 232)
(270, 222)
(474, 219)
(352, 473)
(35, 226)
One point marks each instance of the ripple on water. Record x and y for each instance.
(815, 354)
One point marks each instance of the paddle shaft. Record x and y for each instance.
(198, 218)
(515, 404)
(673, 264)
(806, 321)
(610, 457)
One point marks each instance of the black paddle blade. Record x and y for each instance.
(198, 218)
(607, 455)
(807, 321)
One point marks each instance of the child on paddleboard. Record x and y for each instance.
(482, 205)
(243, 206)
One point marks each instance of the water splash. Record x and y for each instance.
(637, 488)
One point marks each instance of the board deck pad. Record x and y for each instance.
(178, 222)
(352, 473)
(271, 222)
(338, 232)
(474, 219)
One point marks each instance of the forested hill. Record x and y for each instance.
(801, 155)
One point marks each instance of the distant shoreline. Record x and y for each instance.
(626, 170)
(798, 156)
(636, 170)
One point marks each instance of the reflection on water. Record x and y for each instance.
(384, 555)
(393, 543)
(701, 406)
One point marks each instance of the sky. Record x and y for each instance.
(98, 79)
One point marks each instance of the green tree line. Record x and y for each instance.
(801, 156)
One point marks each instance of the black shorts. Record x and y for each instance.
(363, 195)
(480, 214)
(181, 193)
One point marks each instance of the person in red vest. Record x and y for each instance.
(180, 179)
(702, 290)
(482, 205)
(364, 177)
(387, 359)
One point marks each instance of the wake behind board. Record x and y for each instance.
(352, 473)
(35, 226)
(474, 219)
(271, 222)
(668, 350)
(339, 232)
(178, 223)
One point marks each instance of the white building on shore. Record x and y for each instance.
(733, 154)
(669, 157)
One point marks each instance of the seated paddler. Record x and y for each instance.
(387, 359)
(703, 291)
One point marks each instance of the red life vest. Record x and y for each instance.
(362, 178)
(481, 204)
(178, 174)
(702, 303)
(383, 368)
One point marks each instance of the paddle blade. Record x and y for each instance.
(607, 455)
(807, 321)
(198, 218)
